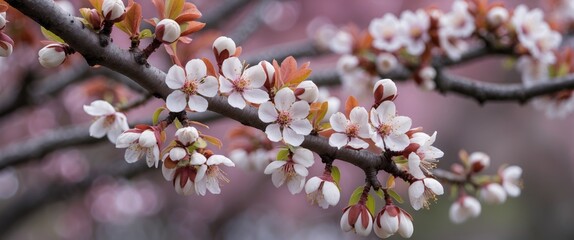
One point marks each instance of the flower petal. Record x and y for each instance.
(225, 86)
(312, 184)
(197, 103)
(358, 143)
(406, 226)
(99, 108)
(267, 112)
(359, 115)
(331, 193)
(401, 124)
(98, 128)
(278, 178)
(220, 159)
(284, 98)
(255, 75)
(232, 68)
(338, 122)
(176, 101)
(338, 140)
(209, 86)
(296, 184)
(175, 78)
(299, 110)
(133, 154)
(434, 186)
(273, 132)
(273, 166)
(300, 170)
(397, 142)
(292, 138)
(304, 157)
(256, 96)
(197, 159)
(195, 69)
(302, 126)
(236, 100)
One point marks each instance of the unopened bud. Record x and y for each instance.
(52, 55)
(427, 75)
(113, 10)
(2, 20)
(6, 44)
(386, 62)
(187, 135)
(92, 17)
(167, 31)
(269, 73)
(307, 91)
(478, 161)
(497, 16)
(384, 89)
(224, 43)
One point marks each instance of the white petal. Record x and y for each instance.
(256, 96)
(312, 184)
(278, 178)
(386, 111)
(133, 154)
(300, 170)
(302, 126)
(456, 213)
(99, 108)
(195, 69)
(299, 110)
(406, 226)
(126, 139)
(197, 159)
(98, 128)
(201, 187)
(304, 157)
(168, 173)
(284, 99)
(359, 115)
(414, 166)
(401, 124)
(220, 159)
(273, 166)
(292, 138)
(360, 229)
(338, 140)
(358, 143)
(225, 85)
(236, 100)
(176, 101)
(273, 132)
(511, 189)
(374, 116)
(208, 87)
(200, 174)
(434, 186)
(175, 78)
(177, 153)
(397, 142)
(255, 75)
(147, 139)
(295, 185)
(389, 224)
(416, 191)
(267, 112)
(338, 122)
(213, 185)
(331, 193)
(197, 103)
(232, 68)
(345, 226)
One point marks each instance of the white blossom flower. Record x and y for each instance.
(453, 46)
(288, 118)
(391, 220)
(307, 90)
(253, 161)
(108, 120)
(167, 30)
(544, 45)
(348, 132)
(188, 85)
(213, 174)
(390, 129)
(464, 208)
(187, 135)
(293, 171)
(426, 153)
(532, 70)
(52, 55)
(493, 193)
(423, 190)
(497, 16)
(224, 43)
(113, 9)
(528, 25)
(140, 143)
(387, 33)
(242, 84)
(511, 180)
(341, 43)
(358, 219)
(386, 62)
(323, 192)
(416, 26)
(347, 64)
(478, 161)
(459, 22)
(185, 177)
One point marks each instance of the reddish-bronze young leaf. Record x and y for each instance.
(290, 74)
(350, 104)
(210, 69)
(173, 8)
(322, 112)
(213, 140)
(132, 19)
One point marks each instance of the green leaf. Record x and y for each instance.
(395, 195)
(155, 117)
(146, 33)
(356, 196)
(453, 191)
(336, 174)
(283, 154)
(371, 204)
(51, 35)
(400, 160)
(380, 193)
(200, 143)
(177, 123)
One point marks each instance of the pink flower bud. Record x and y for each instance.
(224, 43)
(52, 55)
(113, 10)
(384, 89)
(167, 31)
(427, 75)
(307, 91)
(478, 161)
(392, 219)
(358, 219)
(497, 16)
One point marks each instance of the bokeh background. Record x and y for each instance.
(73, 192)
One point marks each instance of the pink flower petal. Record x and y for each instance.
(176, 101)
(273, 132)
(208, 87)
(195, 69)
(291, 137)
(236, 100)
(299, 110)
(284, 99)
(197, 103)
(232, 68)
(255, 75)
(256, 96)
(338, 122)
(175, 78)
(267, 112)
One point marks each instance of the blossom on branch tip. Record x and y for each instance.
(141, 142)
(52, 55)
(423, 190)
(167, 31)
(322, 191)
(292, 171)
(108, 122)
(348, 132)
(390, 129)
(113, 10)
(426, 154)
(213, 174)
(392, 219)
(288, 118)
(459, 22)
(189, 86)
(511, 180)
(528, 24)
(358, 219)
(427, 75)
(307, 90)
(464, 208)
(242, 84)
(416, 26)
(493, 193)
(387, 33)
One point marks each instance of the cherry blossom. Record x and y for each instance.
(242, 84)
(358, 219)
(529, 25)
(384, 89)
(464, 208)
(392, 219)
(113, 10)
(307, 91)
(167, 30)
(493, 193)
(2, 20)
(292, 171)
(322, 191)
(224, 44)
(390, 129)
(187, 135)
(52, 55)
(213, 174)
(348, 132)
(140, 142)
(108, 121)
(188, 85)
(478, 161)
(387, 33)
(426, 153)
(459, 22)
(422, 190)
(186, 175)
(341, 43)
(416, 25)
(288, 118)
(511, 180)
(386, 62)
